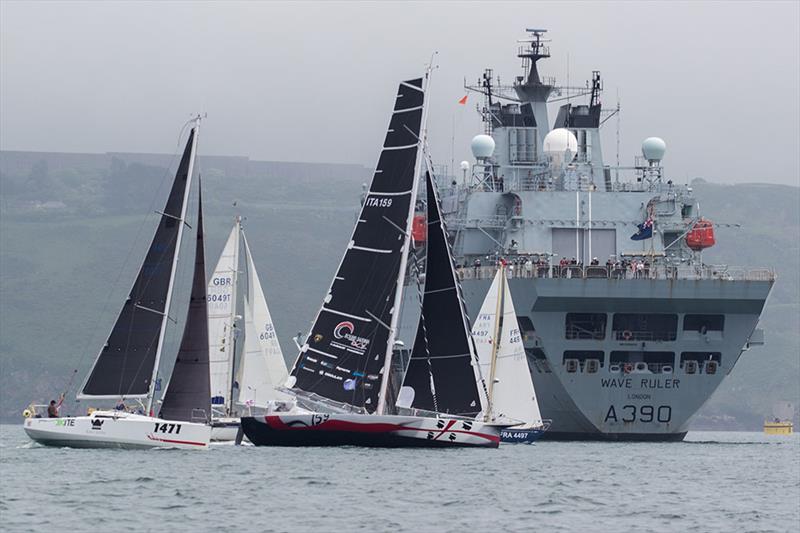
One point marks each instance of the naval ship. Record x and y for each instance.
(627, 331)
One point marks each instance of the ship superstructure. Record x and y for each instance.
(627, 331)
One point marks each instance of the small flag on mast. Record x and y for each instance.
(463, 100)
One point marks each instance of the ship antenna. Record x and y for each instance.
(618, 120)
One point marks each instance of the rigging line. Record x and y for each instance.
(454, 356)
(134, 243)
(378, 320)
(398, 228)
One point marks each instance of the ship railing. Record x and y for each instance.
(494, 222)
(537, 176)
(633, 335)
(575, 332)
(650, 272)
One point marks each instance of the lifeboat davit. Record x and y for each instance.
(419, 229)
(701, 235)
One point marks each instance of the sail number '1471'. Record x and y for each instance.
(642, 413)
(167, 428)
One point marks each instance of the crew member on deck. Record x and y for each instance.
(52, 409)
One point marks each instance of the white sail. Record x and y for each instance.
(221, 315)
(262, 367)
(512, 393)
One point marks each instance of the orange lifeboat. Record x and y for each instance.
(419, 229)
(701, 235)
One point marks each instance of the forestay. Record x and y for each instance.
(344, 355)
(124, 367)
(502, 357)
(187, 396)
(440, 371)
(262, 368)
(221, 315)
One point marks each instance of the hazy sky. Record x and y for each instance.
(314, 81)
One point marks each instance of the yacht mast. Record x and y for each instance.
(401, 275)
(179, 240)
(232, 329)
(499, 312)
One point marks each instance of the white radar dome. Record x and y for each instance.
(653, 148)
(482, 146)
(465, 165)
(561, 145)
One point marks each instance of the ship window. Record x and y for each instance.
(525, 325)
(586, 326)
(700, 357)
(645, 327)
(703, 323)
(537, 357)
(536, 353)
(583, 355)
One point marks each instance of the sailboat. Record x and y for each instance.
(502, 358)
(127, 365)
(343, 371)
(262, 368)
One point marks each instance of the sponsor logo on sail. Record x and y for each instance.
(354, 344)
(342, 329)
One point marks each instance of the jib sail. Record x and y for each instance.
(440, 371)
(188, 396)
(262, 368)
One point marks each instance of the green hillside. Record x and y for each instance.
(67, 222)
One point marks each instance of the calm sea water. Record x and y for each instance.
(710, 482)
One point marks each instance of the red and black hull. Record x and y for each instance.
(368, 431)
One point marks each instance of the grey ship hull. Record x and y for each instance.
(614, 402)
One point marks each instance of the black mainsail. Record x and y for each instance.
(188, 395)
(440, 370)
(344, 355)
(125, 366)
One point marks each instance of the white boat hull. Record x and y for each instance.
(224, 429)
(112, 429)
